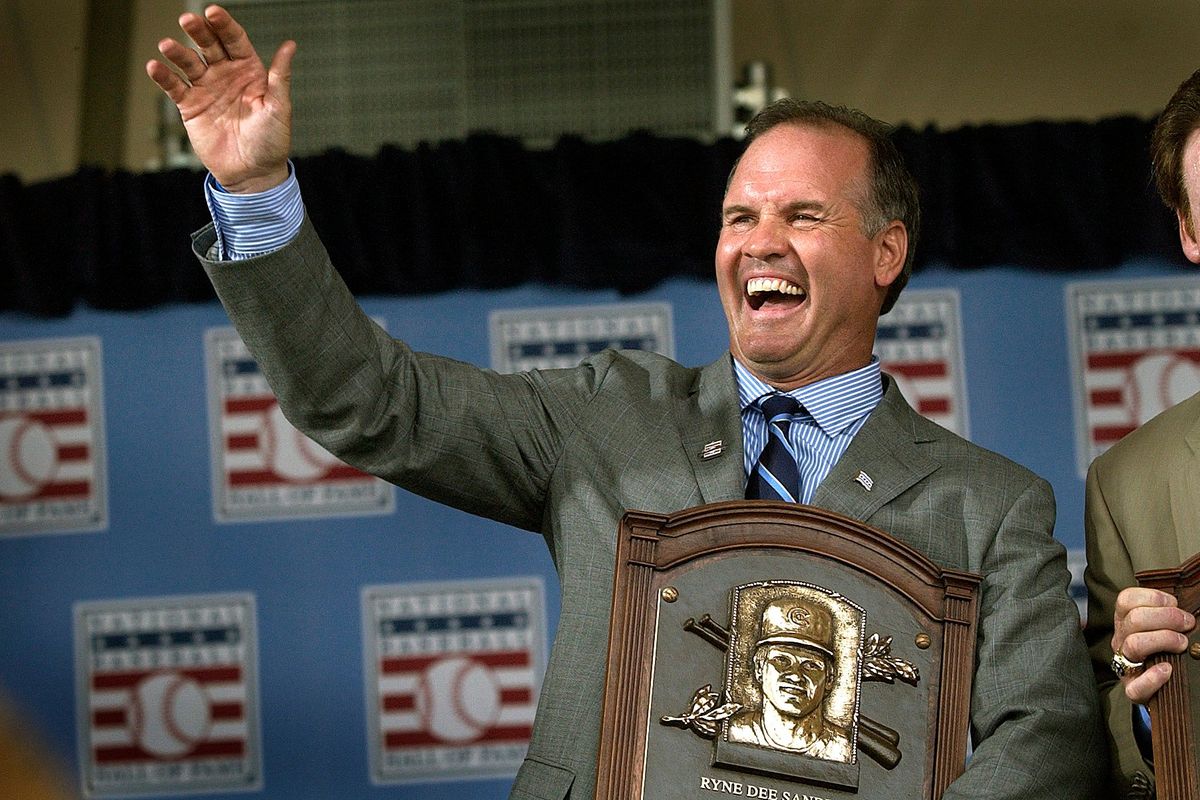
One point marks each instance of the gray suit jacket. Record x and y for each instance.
(567, 452)
(1143, 512)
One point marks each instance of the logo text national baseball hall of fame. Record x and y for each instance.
(452, 676)
(168, 695)
(550, 338)
(263, 468)
(52, 459)
(919, 343)
(1135, 348)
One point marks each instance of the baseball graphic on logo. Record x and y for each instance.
(292, 455)
(1159, 381)
(171, 714)
(28, 454)
(458, 700)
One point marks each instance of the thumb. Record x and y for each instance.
(279, 76)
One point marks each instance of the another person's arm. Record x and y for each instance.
(1122, 618)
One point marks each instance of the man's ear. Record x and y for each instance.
(1187, 237)
(892, 249)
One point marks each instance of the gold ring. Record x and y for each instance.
(1122, 666)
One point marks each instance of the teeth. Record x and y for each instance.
(764, 285)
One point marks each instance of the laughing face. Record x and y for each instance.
(801, 283)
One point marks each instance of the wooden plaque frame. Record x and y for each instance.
(697, 549)
(1171, 730)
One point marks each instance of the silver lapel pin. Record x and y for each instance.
(865, 480)
(712, 450)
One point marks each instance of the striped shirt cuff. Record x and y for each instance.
(249, 225)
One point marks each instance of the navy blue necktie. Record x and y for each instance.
(776, 475)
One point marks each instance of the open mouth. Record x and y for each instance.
(773, 291)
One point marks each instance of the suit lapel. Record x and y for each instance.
(887, 455)
(886, 450)
(710, 426)
(1184, 482)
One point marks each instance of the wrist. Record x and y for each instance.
(256, 184)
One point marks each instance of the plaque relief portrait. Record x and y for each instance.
(793, 666)
(796, 655)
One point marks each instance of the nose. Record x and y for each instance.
(766, 240)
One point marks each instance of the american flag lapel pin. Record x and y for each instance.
(712, 450)
(864, 480)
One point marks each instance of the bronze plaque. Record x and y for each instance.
(776, 651)
(1172, 731)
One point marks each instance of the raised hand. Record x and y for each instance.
(238, 115)
(1146, 622)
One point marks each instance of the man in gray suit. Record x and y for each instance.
(816, 240)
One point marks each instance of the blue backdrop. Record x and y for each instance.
(306, 576)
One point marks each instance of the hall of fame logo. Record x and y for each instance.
(919, 343)
(452, 672)
(167, 695)
(52, 457)
(550, 338)
(1135, 351)
(263, 468)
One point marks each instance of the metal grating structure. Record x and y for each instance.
(374, 72)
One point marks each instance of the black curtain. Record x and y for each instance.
(489, 212)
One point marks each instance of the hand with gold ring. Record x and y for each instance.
(1122, 666)
(1146, 622)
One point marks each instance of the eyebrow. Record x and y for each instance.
(799, 205)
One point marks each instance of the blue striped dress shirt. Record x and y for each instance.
(249, 225)
(834, 410)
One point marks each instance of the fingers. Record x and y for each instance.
(204, 37)
(232, 36)
(1147, 622)
(1137, 596)
(184, 58)
(167, 80)
(1142, 686)
(1141, 645)
(217, 35)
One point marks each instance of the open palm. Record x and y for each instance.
(236, 112)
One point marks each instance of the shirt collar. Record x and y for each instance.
(833, 402)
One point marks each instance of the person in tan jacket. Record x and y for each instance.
(1143, 507)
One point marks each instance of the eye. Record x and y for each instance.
(739, 221)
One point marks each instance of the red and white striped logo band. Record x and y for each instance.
(52, 454)
(454, 671)
(263, 467)
(919, 344)
(168, 692)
